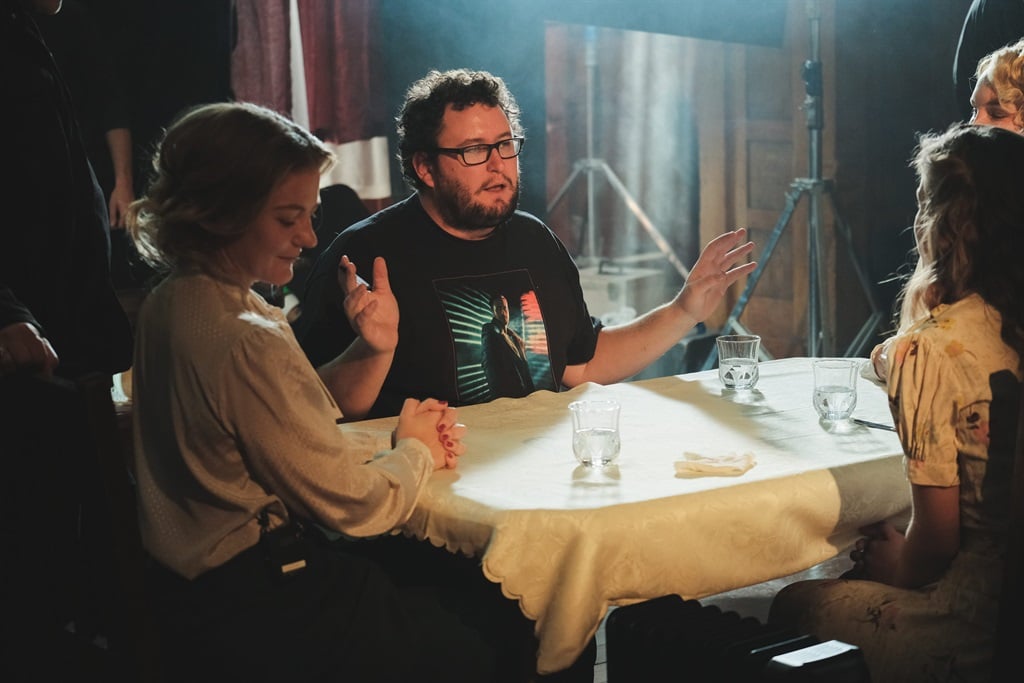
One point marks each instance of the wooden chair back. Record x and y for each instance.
(1011, 606)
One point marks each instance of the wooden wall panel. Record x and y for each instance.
(753, 143)
(776, 133)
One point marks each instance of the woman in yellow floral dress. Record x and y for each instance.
(922, 605)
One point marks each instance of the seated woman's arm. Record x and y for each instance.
(880, 359)
(922, 385)
(933, 537)
(348, 481)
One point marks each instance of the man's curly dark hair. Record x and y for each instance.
(419, 119)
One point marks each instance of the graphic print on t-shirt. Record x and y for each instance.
(497, 330)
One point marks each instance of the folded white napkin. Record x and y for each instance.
(730, 465)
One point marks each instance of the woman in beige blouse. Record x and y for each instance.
(239, 458)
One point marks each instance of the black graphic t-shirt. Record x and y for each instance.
(451, 345)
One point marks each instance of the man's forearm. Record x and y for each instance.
(624, 350)
(355, 378)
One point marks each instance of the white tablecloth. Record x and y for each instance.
(568, 542)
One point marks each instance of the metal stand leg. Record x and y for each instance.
(875, 320)
(812, 187)
(591, 165)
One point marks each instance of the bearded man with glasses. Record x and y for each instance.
(456, 243)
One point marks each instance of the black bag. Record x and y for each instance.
(673, 640)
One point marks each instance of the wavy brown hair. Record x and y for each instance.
(212, 173)
(969, 225)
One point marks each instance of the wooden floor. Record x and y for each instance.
(752, 601)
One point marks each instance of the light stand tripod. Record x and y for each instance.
(811, 187)
(592, 165)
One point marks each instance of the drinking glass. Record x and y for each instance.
(595, 431)
(835, 387)
(737, 360)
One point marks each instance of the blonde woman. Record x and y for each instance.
(998, 96)
(997, 100)
(922, 605)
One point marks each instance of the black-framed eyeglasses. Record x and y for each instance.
(474, 155)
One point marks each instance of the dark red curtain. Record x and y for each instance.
(337, 41)
(260, 62)
(340, 72)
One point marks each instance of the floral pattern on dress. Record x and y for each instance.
(952, 381)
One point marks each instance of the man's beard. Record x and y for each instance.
(459, 210)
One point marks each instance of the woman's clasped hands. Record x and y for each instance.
(876, 554)
(435, 424)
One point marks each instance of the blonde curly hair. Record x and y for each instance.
(1003, 71)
